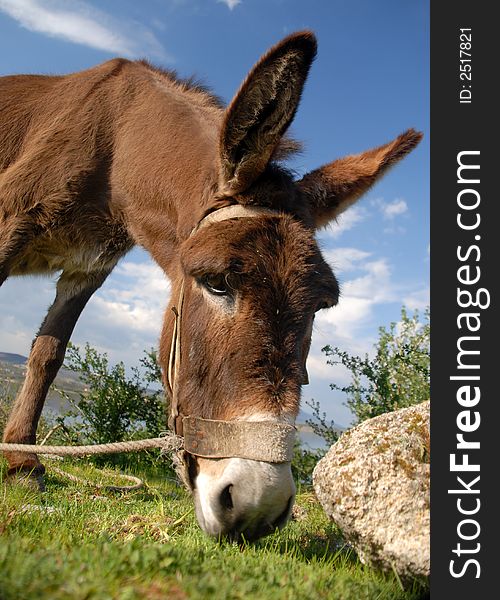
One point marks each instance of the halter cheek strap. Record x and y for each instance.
(174, 422)
(266, 441)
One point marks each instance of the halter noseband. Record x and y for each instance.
(266, 441)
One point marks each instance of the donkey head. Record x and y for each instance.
(252, 287)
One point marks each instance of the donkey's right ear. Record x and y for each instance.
(262, 110)
(332, 188)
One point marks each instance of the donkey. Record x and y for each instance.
(124, 153)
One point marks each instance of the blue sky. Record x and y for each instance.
(369, 83)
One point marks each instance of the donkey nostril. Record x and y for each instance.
(225, 498)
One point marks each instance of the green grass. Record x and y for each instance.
(75, 542)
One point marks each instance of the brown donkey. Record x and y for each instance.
(95, 162)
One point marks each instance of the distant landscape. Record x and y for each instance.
(13, 369)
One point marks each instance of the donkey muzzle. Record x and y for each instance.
(242, 484)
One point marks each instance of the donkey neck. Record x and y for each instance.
(165, 162)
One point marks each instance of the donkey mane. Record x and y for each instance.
(190, 83)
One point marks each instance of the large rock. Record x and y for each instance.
(374, 483)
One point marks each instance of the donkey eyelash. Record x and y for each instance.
(217, 284)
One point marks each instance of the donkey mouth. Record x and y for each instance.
(239, 499)
(243, 532)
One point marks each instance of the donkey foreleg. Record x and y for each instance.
(45, 359)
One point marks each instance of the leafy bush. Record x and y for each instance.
(396, 377)
(304, 458)
(320, 426)
(6, 402)
(303, 463)
(114, 407)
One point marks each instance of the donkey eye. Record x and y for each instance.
(216, 284)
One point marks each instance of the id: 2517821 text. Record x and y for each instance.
(465, 50)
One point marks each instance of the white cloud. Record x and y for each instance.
(346, 324)
(395, 229)
(22, 311)
(144, 282)
(317, 367)
(374, 286)
(230, 3)
(136, 316)
(134, 299)
(418, 300)
(78, 22)
(393, 209)
(123, 318)
(14, 336)
(345, 259)
(344, 320)
(345, 221)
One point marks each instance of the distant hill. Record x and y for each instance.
(15, 359)
(302, 417)
(13, 370)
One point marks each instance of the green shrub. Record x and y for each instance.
(305, 459)
(113, 406)
(396, 377)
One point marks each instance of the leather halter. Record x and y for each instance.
(266, 441)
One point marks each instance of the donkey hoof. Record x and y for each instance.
(30, 478)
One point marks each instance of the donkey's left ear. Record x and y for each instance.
(262, 110)
(332, 188)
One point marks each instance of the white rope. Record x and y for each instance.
(168, 442)
(138, 483)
